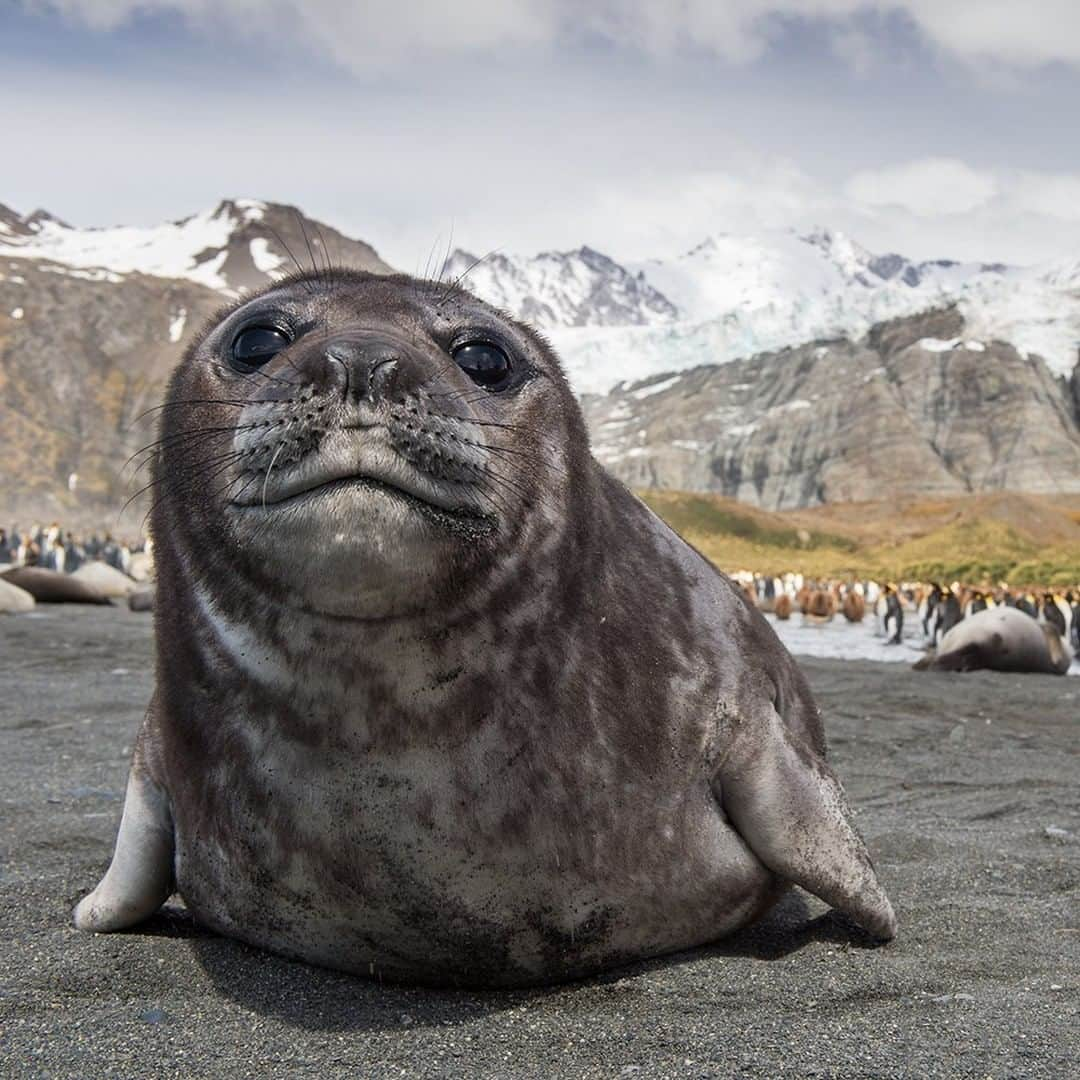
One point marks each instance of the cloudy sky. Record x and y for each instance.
(930, 127)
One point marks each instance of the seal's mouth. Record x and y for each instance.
(354, 466)
(315, 489)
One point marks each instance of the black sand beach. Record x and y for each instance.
(968, 791)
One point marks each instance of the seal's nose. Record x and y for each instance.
(367, 368)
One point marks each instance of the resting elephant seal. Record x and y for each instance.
(53, 587)
(1002, 639)
(437, 699)
(13, 600)
(106, 580)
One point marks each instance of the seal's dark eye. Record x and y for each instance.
(486, 364)
(255, 345)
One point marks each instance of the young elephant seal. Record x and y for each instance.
(1001, 639)
(437, 699)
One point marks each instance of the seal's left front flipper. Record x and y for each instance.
(140, 877)
(788, 806)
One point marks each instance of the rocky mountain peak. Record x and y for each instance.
(37, 218)
(12, 223)
(581, 288)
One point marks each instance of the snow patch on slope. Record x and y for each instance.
(176, 325)
(263, 258)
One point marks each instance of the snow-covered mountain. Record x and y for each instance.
(239, 244)
(726, 273)
(558, 289)
(734, 296)
(731, 296)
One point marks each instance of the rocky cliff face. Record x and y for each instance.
(915, 407)
(81, 357)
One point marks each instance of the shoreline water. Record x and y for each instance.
(841, 640)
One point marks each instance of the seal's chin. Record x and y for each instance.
(354, 545)
(352, 548)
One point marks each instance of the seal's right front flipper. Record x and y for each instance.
(788, 806)
(140, 877)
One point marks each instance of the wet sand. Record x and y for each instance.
(968, 791)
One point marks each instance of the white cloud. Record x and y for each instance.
(377, 34)
(1022, 34)
(669, 214)
(927, 187)
(1051, 194)
(940, 187)
(565, 151)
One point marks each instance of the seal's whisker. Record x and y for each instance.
(296, 262)
(449, 251)
(184, 438)
(455, 285)
(246, 477)
(209, 468)
(193, 403)
(150, 458)
(269, 470)
(197, 474)
(251, 479)
(325, 252)
(459, 396)
(512, 485)
(292, 363)
(496, 505)
(184, 485)
(484, 423)
(427, 265)
(439, 278)
(307, 242)
(245, 376)
(469, 395)
(453, 418)
(206, 470)
(191, 433)
(495, 448)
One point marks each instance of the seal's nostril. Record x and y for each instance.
(330, 355)
(379, 375)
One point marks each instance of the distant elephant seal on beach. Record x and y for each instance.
(438, 700)
(53, 587)
(13, 600)
(106, 579)
(1001, 639)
